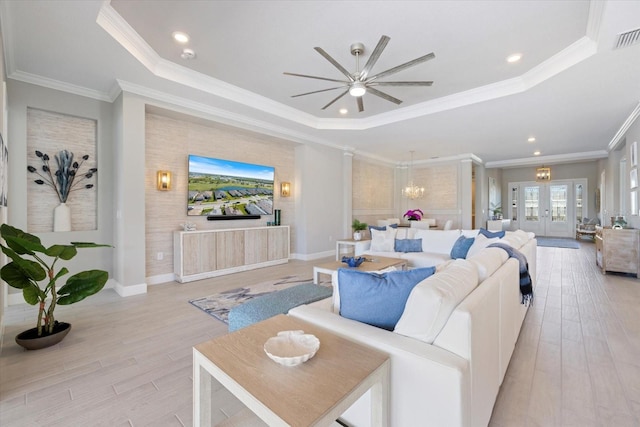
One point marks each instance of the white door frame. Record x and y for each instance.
(544, 225)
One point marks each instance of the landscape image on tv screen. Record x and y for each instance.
(227, 188)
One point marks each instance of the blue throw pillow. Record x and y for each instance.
(377, 299)
(488, 234)
(461, 247)
(408, 245)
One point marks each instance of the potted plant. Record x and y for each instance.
(33, 269)
(496, 208)
(414, 215)
(358, 228)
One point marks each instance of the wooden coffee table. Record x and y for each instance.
(314, 393)
(373, 263)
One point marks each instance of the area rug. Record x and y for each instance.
(218, 305)
(557, 242)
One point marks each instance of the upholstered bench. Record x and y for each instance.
(275, 303)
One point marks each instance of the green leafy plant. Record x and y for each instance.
(32, 269)
(496, 208)
(358, 226)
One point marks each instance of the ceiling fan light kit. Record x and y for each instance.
(359, 83)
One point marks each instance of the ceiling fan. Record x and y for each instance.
(358, 83)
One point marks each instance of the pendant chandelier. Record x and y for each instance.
(412, 191)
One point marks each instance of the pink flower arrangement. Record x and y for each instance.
(414, 214)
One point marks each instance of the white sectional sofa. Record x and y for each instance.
(449, 375)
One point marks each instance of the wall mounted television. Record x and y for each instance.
(225, 189)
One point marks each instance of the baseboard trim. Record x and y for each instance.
(311, 257)
(161, 278)
(127, 291)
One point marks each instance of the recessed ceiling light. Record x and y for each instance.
(514, 58)
(532, 139)
(343, 111)
(536, 153)
(180, 37)
(188, 54)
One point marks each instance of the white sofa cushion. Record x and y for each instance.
(488, 261)
(517, 238)
(432, 301)
(480, 243)
(438, 241)
(383, 240)
(424, 259)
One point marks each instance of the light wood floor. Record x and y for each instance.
(127, 361)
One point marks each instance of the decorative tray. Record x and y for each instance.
(291, 348)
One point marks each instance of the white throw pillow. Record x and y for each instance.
(383, 240)
(433, 300)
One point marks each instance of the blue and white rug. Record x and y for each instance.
(218, 305)
(558, 242)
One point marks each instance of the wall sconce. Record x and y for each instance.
(285, 189)
(164, 180)
(543, 174)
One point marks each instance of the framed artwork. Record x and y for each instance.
(633, 178)
(634, 154)
(634, 202)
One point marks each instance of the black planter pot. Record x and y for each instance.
(30, 340)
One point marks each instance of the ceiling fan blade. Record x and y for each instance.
(403, 66)
(400, 83)
(334, 62)
(383, 95)
(315, 77)
(317, 91)
(335, 99)
(360, 104)
(374, 57)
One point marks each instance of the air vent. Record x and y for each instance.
(627, 39)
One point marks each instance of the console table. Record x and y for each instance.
(314, 393)
(209, 253)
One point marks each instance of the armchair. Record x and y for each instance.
(587, 228)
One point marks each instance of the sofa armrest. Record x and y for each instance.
(427, 382)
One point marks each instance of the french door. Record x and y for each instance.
(548, 209)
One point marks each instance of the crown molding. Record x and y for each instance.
(109, 19)
(59, 85)
(617, 138)
(549, 160)
(207, 112)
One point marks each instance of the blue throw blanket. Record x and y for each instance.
(525, 278)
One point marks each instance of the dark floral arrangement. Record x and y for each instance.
(414, 215)
(67, 177)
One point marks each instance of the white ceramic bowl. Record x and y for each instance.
(291, 348)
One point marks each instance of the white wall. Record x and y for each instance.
(319, 200)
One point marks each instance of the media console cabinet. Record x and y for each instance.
(209, 253)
